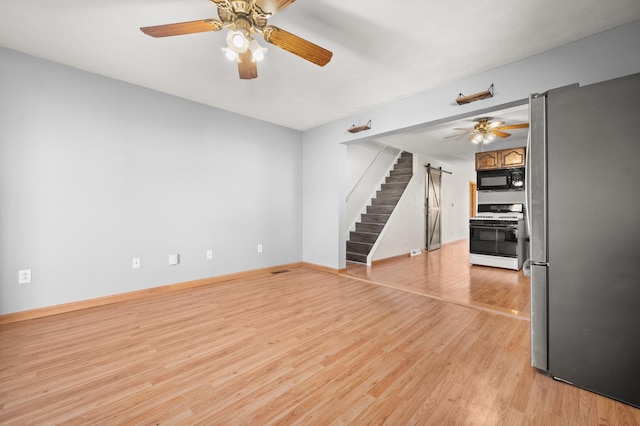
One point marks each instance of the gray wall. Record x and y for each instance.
(94, 172)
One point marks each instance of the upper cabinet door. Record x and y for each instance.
(514, 157)
(487, 160)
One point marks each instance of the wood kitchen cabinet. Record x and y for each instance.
(502, 159)
(514, 157)
(487, 160)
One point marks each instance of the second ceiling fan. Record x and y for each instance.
(485, 131)
(244, 19)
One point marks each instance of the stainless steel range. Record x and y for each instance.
(496, 236)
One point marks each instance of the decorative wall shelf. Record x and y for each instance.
(461, 99)
(357, 129)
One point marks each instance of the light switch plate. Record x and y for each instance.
(174, 259)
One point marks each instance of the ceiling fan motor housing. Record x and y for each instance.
(242, 15)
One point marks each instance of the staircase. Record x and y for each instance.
(372, 222)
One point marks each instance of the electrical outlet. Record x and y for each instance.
(259, 248)
(209, 254)
(135, 263)
(24, 276)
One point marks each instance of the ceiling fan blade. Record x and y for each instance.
(495, 124)
(460, 128)
(247, 67)
(500, 134)
(180, 28)
(513, 126)
(296, 45)
(273, 6)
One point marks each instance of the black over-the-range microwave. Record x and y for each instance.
(501, 179)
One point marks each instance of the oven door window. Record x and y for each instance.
(494, 240)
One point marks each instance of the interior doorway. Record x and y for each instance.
(473, 201)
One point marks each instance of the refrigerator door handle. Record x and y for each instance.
(536, 194)
(527, 178)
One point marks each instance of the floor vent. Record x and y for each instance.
(280, 272)
(416, 252)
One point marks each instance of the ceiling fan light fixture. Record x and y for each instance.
(237, 41)
(257, 51)
(489, 137)
(230, 54)
(477, 138)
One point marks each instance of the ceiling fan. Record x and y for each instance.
(244, 19)
(485, 131)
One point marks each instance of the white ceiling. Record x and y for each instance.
(382, 50)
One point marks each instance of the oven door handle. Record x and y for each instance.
(497, 227)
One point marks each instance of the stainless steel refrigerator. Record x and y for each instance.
(583, 209)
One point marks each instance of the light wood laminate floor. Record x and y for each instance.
(447, 274)
(302, 347)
